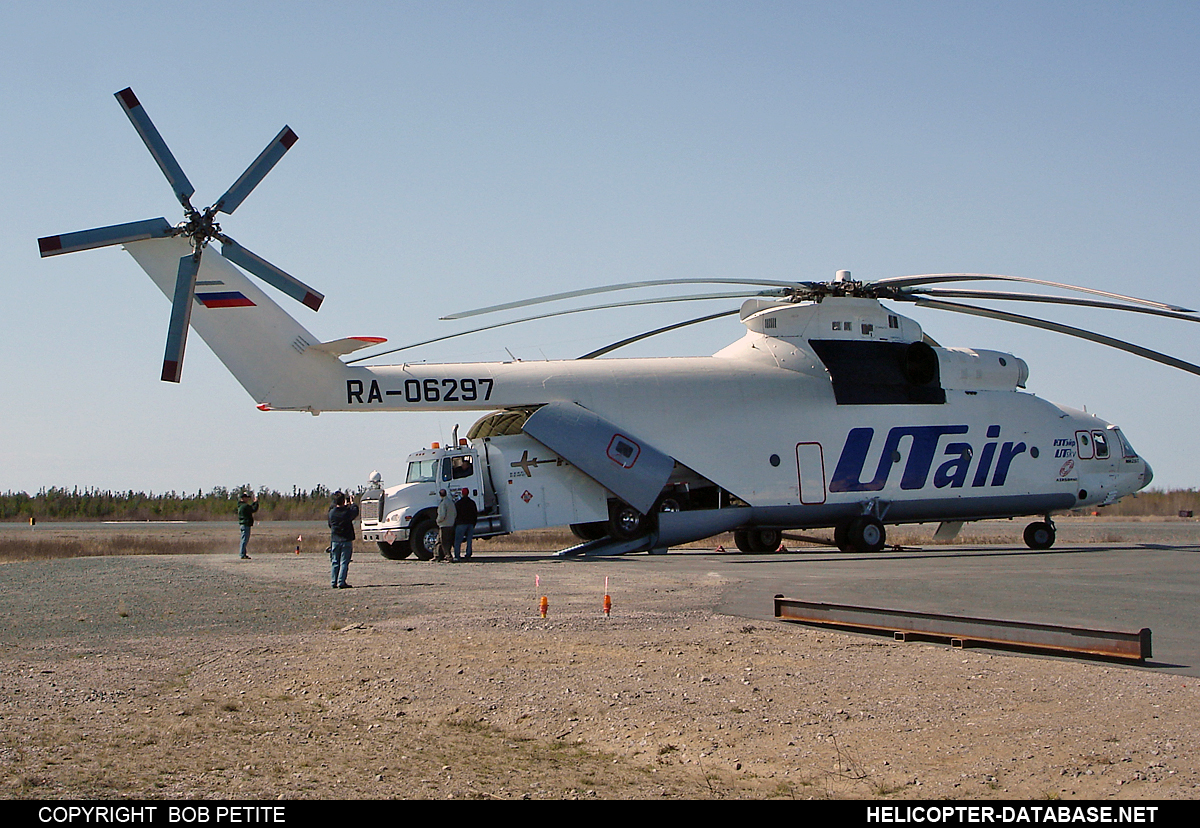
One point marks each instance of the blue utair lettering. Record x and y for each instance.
(847, 475)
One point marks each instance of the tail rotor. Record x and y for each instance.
(199, 227)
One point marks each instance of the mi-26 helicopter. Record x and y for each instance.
(834, 410)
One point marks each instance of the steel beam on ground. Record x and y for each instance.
(965, 631)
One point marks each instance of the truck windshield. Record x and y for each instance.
(422, 471)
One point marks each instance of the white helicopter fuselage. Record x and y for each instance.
(822, 411)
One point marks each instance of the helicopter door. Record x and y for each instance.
(810, 465)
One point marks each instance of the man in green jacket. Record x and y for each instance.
(246, 510)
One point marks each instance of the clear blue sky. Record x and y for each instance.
(459, 154)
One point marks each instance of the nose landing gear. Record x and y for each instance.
(1040, 534)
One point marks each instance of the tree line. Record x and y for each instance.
(55, 504)
(61, 504)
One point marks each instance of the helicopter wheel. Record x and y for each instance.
(765, 540)
(1039, 535)
(757, 541)
(841, 538)
(866, 534)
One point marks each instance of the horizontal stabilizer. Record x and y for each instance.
(348, 345)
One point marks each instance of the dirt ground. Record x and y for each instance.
(201, 676)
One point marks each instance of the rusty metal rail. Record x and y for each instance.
(963, 631)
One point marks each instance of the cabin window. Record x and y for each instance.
(1101, 444)
(867, 329)
(893, 321)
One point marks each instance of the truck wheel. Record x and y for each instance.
(625, 522)
(866, 534)
(741, 539)
(1039, 535)
(668, 504)
(423, 539)
(589, 531)
(394, 551)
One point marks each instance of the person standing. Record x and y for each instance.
(341, 538)
(246, 510)
(466, 513)
(446, 512)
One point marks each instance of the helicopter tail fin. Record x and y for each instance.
(272, 355)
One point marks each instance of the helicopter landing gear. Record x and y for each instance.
(862, 534)
(1040, 535)
(757, 540)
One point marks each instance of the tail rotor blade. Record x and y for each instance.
(270, 274)
(181, 316)
(157, 146)
(257, 171)
(104, 236)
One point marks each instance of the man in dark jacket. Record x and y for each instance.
(465, 515)
(341, 538)
(246, 510)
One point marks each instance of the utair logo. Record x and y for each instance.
(954, 471)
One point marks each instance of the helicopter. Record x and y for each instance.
(835, 410)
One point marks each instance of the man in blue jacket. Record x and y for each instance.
(341, 538)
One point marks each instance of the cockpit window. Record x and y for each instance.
(422, 471)
(1126, 449)
(1101, 443)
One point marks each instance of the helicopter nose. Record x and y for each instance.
(1147, 475)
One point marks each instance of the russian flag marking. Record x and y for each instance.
(224, 299)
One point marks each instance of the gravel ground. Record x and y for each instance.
(202, 676)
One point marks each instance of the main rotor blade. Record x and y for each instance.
(181, 315)
(270, 274)
(104, 236)
(1039, 297)
(932, 278)
(1057, 327)
(572, 294)
(551, 315)
(157, 146)
(257, 171)
(630, 340)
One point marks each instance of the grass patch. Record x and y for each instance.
(41, 548)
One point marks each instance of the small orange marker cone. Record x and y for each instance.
(299, 540)
(544, 605)
(720, 549)
(607, 598)
(781, 548)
